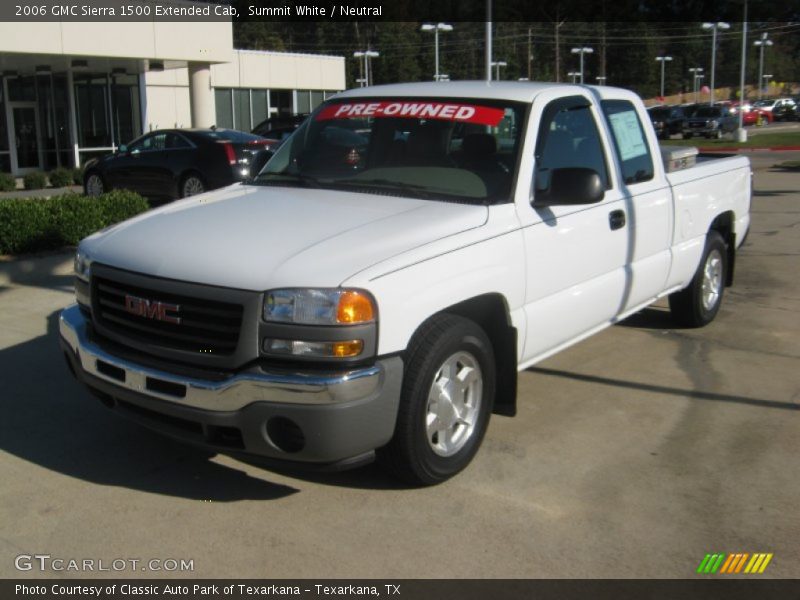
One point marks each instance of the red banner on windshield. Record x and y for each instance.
(444, 111)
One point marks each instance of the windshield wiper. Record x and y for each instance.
(286, 178)
(413, 189)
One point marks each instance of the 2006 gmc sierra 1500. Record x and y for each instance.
(379, 284)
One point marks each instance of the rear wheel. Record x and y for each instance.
(93, 184)
(698, 304)
(192, 185)
(447, 397)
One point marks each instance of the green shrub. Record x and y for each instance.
(77, 176)
(36, 224)
(60, 178)
(8, 183)
(35, 180)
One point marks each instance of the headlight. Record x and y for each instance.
(82, 265)
(332, 306)
(713, 124)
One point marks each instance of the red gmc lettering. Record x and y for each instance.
(152, 309)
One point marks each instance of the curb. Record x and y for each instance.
(750, 149)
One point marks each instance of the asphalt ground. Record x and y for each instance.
(634, 454)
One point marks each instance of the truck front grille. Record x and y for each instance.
(206, 326)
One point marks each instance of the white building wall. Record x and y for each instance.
(167, 96)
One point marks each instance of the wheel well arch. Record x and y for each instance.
(491, 313)
(723, 224)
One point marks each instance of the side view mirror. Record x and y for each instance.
(571, 185)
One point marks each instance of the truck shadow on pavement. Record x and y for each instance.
(50, 420)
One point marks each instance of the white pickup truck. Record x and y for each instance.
(377, 287)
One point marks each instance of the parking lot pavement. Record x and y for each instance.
(634, 454)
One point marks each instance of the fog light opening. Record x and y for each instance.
(285, 434)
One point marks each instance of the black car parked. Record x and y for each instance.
(175, 163)
(710, 122)
(667, 120)
(279, 128)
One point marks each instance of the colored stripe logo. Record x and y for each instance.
(737, 562)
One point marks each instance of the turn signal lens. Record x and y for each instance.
(354, 307)
(347, 349)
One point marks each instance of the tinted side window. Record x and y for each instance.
(568, 137)
(175, 141)
(630, 143)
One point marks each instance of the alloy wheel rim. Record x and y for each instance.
(94, 185)
(193, 186)
(454, 403)
(712, 280)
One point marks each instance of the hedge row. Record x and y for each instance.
(35, 224)
(37, 180)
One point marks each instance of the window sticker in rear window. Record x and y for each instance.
(444, 111)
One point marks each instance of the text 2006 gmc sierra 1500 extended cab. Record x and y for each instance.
(379, 284)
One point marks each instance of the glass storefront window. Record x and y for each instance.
(241, 114)
(260, 104)
(282, 101)
(224, 108)
(303, 102)
(91, 101)
(316, 99)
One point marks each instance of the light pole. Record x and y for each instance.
(362, 61)
(497, 65)
(766, 78)
(762, 43)
(696, 73)
(714, 27)
(582, 51)
(436, 29)
(601, 79)
(663, 60)
(573, 75)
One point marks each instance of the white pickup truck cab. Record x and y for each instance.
(408, 250)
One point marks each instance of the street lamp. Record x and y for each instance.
(436, 29)
(663, 60)
(573, 75)
(601, 79)
(762, 43)
(696, 74)
(714, 27)
(365, 69)
(582, 51)
(497, 65)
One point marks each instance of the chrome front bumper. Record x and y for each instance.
(231, 394)
(329, 420)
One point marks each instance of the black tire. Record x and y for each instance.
(411, 455)
(94, 184)
(192, 184)
(696, 306)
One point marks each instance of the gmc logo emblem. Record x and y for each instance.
(152, 309)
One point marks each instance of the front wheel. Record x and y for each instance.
(447, 398)
(698, 304)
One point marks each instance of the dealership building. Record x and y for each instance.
(73, 90)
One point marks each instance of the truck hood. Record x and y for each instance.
(257, 238)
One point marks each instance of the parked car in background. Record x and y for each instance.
(667, 120)
(710, 122)
(176, 163)
(277, 129)
(752, 115)
(782, 109)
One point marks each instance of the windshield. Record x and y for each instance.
(763, 102)
(659, 113)
(708, 111)
(459, 150)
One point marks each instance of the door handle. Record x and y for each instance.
(616, 219)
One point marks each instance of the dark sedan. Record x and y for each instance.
(175, 163)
